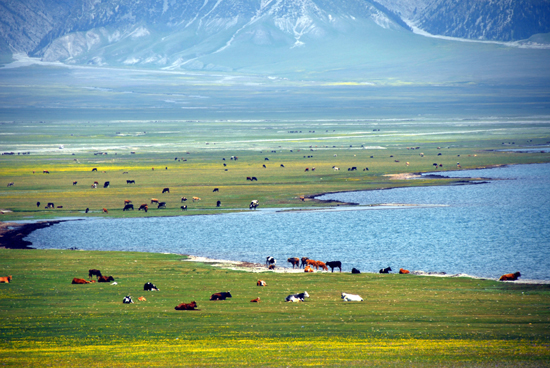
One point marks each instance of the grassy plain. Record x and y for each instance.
(187, 157)
(405, 319)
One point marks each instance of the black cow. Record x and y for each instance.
(150, 287)
(355, 270)
(106, 184)
(166, 190)
(94, 169)
(216, 190)
(37, 204)
(270, 261)
(105, 279)
(94, 272)
(295, 262)
(87, 210)
(161, 205)
(50, 205)
(128, 207)
(218, 203)
(334, 264)
(183, 199)
(221, 295)
(304, 262)
(264, 166)
(354, 168)
(385, 270)
(254, 178)
(248, 178)
(282, 165)
(130, 181)
(184, 208)
(266, 159)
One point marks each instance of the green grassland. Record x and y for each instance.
(187, 157)
(405, 319)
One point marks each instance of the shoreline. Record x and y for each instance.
(13, 233)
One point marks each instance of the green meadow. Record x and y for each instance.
(404, 319)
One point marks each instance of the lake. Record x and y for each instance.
(482, 230)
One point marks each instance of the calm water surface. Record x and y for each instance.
(482, 230)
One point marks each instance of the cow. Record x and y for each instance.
(127, 201)
(196, 199)
(303, 259)
(166, 190)
(265, 167)
(322, 265)
(307, 169)
(221, 295)
(75, 182)
(385, 270)
(127, 300)
(186, 306)
(248, 178)
(312, 263)
(295, 262)
(300, 296)
(161, 205)
(94, 272)
(106, 184)
(271, 267)
(282, 165)
(93, 186)
(184, 207)
(266, 159)
(143, 207)
(254, 178)
(183, 199)
(45, 172)
(355, 270)
(142, 299)
(130, 181)
(37, 204)
(216, 190)
(81, 281)
(351, 297)
(510, 276)
(335, 168)
(105, 279)
(87, 210)
(5, 279)
(334, 264)
(270, 261)
(252, 206)
(308, 269)
(105, 210)
(154, 200)
(94, 169)
(403, 271)
(261, 283)
(149, 286)
(303, 198)
(50, 205)
(59, 206)
(257, 300)
(96, 183)
(128, 207)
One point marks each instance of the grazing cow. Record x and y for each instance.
(143, 207)
(184, 207)
(81, 281)
(94, 169)
(270, 261)
(351, 297)
(307, 169)
(94, 272)
(312, 263)
(248, 178)
(510, 277)
(257, 300)
(127, 201)
(166, 190)
(93, 186)
(334, 264)
(105, 210)
(355, 270)
(221, 295)
(37, 204)
(130, 181)
(105, 279)
(300, 296)
(96, 182)
(149, 286)
(282, 165)
(75, 182)
(161, 205)
(142, 299)
(87, 210)
(264, 166)
(216, 190)
(128, 207)
(308, 269)
(125, 172)
(183, 199)
(127, 300)
(106, 184)
(261, 283)
(45, 172)
(186, 306)
(154, 200)
(295, 262)
(322, 265)
(50, 205)
(196, 199)
(403, 271)
(254, 178)
(5, 280)
(385, 270)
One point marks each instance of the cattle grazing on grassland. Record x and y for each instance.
(45, 172)
(216, 190)
(282, 165)
(351, 297)
(403, 271)
(221, 295)
(162, 205)
(106, 184)
(295, 262)
(81, 281)
(261, 283)
(254, 178)
(257, 300)
(128, 207)
(37, 204)
(50, 205)
(5, 279)
(183, 199)
(385, 270)
(93, 186)
(270, 261)
(94, 272)
(94, 169)
(253, 204)
(184, 207)
(312, 263)
(297, 297)
(130, 181)
(196, 199)
(127, 201)
(105, 279)
(166, 190)
(265, 167)
(334, 264)
(510, 276)
(87, 210)
(248, 178)
(143, 207)
(355, 270)
(149, 286)
(105, 210)
(75, 182)
(154, 200)
(186, 306)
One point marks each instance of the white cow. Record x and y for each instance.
(351, 297)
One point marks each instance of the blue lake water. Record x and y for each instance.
(482, 230)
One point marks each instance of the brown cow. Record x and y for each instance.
(261, 283)
(196, 199)
(295, 262)
(308, 269)
(81, 281)
(5, 280)
(403, 271)
(304, 259)
(510, 277)
(143, 207)
(188, 306)
(154, 200)
(312, 263)
(105, 279)
(322, 265)
(105, 210)
(257, 300)
(127, 201)
(142, 299)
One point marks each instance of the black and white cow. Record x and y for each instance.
(297, 297)
(270, 261)
(149, 286)
(385, 270)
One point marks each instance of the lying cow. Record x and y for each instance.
(385, 270)
(297, 297)
(221, 295)
(334, 264)
(355, 270)
(186, 306)
(150, 287)
(5, 280)
(351, 297)
(81, 281)
(403, 271)
(308, 269)
(261, 283)
(142, 299)
(257, 300)
(510, 277)
(127, 300)
(105, 279)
